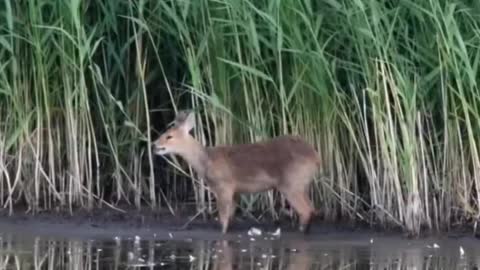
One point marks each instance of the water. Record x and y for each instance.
(24, 251)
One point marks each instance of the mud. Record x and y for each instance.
(107, 222)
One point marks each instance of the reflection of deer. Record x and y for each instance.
(299, 260)
(224, 259)
(286, 163)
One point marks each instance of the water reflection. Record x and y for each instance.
(18, 252)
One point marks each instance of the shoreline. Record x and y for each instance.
(107, 223)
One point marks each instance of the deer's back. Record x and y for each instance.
(259, 166)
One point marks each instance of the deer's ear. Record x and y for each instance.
(185, 120)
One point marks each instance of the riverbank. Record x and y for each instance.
(107, 223)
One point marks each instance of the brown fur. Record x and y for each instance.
(286, 163)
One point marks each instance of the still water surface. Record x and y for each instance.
(21, 251)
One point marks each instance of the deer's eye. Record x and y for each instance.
(169, 137)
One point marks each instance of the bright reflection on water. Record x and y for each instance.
(22, 252)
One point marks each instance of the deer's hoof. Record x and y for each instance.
(304, 228)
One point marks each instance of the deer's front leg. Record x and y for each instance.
(226, 207)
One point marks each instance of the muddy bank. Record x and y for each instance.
(106, 223)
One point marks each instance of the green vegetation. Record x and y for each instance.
(387, 91)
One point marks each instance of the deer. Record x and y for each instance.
(286, 163)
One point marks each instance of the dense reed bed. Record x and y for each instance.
(387, 92)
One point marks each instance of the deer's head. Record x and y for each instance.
(176, 139)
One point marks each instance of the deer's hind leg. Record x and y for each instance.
(299, 201)
(296, 193)
(309, 212)
(294, 187)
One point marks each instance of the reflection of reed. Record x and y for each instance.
(222, 255)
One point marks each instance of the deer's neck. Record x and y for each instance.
(197, 157)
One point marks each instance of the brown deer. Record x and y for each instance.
(286, 163)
